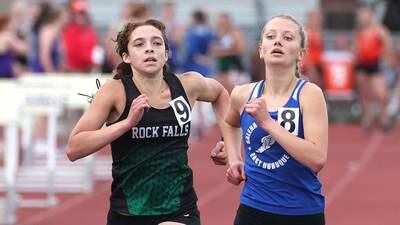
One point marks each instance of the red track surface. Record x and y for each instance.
(361, 183)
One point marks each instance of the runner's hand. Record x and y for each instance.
(218, 154)
(138, 107)
(235, 173)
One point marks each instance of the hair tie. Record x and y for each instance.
(123, 28)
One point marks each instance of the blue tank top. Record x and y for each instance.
(6, 64)
(198, 43)
(276, 182)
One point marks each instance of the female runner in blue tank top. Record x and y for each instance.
(284, 125)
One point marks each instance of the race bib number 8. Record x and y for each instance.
(289, 119)
(181, 110)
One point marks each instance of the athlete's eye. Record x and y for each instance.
(288, 38)
(270, 37)
(158, 43)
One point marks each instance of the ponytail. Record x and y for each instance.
(123, 69)
(297, 70)
(166, 69)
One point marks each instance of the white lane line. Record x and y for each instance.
(355, 169)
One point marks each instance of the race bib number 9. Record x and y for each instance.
(181, 110)
(289, 119)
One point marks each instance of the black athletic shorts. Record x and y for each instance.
(369, 69)
(249, 216)
(188, 217)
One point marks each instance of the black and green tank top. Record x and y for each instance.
(150, 168)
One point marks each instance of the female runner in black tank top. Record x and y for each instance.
(147, 111)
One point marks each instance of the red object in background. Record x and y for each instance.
(338, 74)
(370, 47)
(79, 6)
(315, 49)
(79, 42)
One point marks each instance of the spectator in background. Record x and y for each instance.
(312, 62)
(372, 48)
(197, 57)
(175, 34)
(20, 26)
(46, 49)
(228, 51)
(45, 55)
(10, 46)
(130, 12)
(79, 39)
(198, 41)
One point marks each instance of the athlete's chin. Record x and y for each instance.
(151, 70)
(276, 62)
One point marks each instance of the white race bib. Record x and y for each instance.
(181, 110)
(289, 119)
